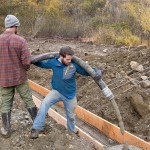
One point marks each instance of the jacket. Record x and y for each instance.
(64, 77)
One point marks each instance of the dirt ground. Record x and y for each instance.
(127, 84)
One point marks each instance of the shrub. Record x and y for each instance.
(112, 36)
(105, 36)
(127, 38)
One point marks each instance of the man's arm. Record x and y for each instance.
(80, 70)
(25, 56)
(47, 64)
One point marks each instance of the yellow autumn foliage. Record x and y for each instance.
(140, 12)
(120, 23)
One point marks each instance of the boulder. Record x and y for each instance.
(145, 84)
(136, 66)
(142, 108)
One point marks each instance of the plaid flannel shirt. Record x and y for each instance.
(14, 59)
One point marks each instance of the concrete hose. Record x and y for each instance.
(102, 85)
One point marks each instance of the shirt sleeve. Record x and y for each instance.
(25, 56)
(47, 64)
(80, 70)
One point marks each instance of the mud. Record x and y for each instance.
(117, 73)
(119, 76)
(55, 136)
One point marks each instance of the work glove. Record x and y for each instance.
(98, 73)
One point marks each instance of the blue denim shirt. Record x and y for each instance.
(63, 79)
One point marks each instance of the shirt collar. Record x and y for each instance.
(58, 63)
(9, 32)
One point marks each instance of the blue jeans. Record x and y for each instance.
(52, 98)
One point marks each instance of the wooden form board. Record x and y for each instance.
(104, 126)
(61, 120)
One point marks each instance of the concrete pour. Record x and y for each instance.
(121, 147)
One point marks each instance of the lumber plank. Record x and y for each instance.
(36, 87)
(103, 125)
(110, 129)
(61, 120)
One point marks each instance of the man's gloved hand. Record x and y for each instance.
(98, 73)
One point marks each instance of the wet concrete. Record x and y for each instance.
(121, 147)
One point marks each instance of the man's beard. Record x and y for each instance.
(64, 62)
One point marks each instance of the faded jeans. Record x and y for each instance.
(52, 98)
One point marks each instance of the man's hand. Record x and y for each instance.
(98, 73)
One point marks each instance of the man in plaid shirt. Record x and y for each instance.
(14, 61)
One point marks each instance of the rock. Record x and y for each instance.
(134, 81)
(110, 141)
(144, 77)
(112, 75)
(124, 47)
(136, 66)
(105, 50)
(71, 146)
(147, 62)
(140, 47)
(139, 105)
(118, 75)
(145, 84)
